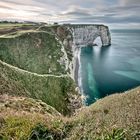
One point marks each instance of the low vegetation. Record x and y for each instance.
(115, 117)
(33, 51)
(55, 91)
(26, 118)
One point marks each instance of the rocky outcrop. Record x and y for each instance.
(84, 35)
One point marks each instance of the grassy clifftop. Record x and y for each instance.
(34, 51)
(116, 117)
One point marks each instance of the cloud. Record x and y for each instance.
(76, 11)
(129, 2)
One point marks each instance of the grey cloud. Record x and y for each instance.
(110, 15)
(108, 18)
(130, 2)
(98, 11)
(76, 11)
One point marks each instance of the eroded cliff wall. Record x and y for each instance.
(75, 36)
(84, 35)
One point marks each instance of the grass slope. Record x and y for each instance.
(25, 118)
(34, 51)
(116, 117)
(55, 91)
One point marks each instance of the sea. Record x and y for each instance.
(113, 69)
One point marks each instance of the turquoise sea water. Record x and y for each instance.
(107, 70)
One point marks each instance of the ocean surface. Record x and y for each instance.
(107, 70)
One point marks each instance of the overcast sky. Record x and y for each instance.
(115, 13)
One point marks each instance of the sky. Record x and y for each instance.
(114, 13)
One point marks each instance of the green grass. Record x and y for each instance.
(3, 25)
(62, 34)
(26, 118)
(37, 52)
(10, 25)
(116, 117)
(26, 104)
(55, 91)
(19, 127)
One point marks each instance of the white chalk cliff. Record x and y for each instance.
(75, 36)
(84, 35)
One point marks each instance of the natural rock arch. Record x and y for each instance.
(84, 35)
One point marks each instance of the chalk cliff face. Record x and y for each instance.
(75, 36)
(84, 35)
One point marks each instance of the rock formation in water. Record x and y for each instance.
(84, 35)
